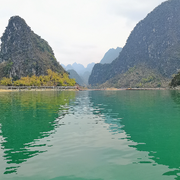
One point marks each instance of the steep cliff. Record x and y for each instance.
(24, 53)
(154, 42)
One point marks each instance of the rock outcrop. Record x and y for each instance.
(23, 53)
(154, 42)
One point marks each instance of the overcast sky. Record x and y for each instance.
(79, 30)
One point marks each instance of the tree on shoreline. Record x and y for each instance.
(175, 81)
(51, 79)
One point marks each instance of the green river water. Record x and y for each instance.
(90, 135)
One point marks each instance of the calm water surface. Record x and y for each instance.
(90, 135)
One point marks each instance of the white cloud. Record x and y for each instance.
(132, 9)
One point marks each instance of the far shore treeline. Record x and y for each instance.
(51, 79)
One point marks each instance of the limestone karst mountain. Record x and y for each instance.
(24, 53)
(74, 75)
(82, 72)
(154, 44)
(110, 55)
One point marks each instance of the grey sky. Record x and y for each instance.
(79, 30)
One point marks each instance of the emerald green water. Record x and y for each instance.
(90, 135)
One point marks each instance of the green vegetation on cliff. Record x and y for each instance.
(137, 77)
(51, 79)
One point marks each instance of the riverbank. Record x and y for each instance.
(147, 88)
(36, 88)
(69, 88)
(16, 90)
(122, 89)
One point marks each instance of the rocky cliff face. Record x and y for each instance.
(154, 42)
(25, 53)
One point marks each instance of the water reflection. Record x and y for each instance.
(175, 95)
(98, 135)
(27, 117)
(108, 106)
(72, 177)
(151, 119)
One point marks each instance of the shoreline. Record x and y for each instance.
(129, 89)
(36, 88)
(65, 88)
(26, 90)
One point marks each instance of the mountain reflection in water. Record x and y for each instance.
(87, 135)
(151, 119)
(25, 118)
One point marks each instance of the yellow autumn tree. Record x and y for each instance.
(6, 81)
(51, 79)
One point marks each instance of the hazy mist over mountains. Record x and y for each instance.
(110, 55)
(79, 68)
(81, 74)
(74, 75)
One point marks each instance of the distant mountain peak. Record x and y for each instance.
(83, 72)
(110, 55)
